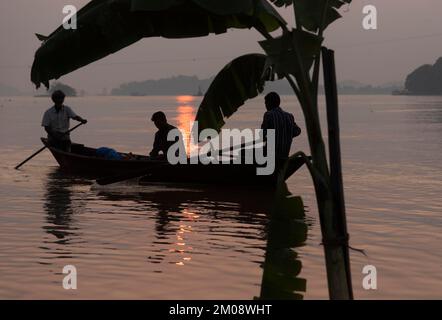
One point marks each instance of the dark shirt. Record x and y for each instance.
(160, 143)
(285, 130)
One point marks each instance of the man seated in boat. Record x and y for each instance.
(161, 145)
(283, 123)
(56, 122)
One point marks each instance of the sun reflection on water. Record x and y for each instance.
(181, 244)
(185, 118)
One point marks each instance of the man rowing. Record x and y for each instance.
(56, 122)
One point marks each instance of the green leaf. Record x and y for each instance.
(154, 5)
(240, 80)
(107, 26)
(281, 54)
(223, 7)
(227, 6)
(311, 13)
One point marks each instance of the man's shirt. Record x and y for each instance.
(160, 143)
(58, 121)
(285, 130)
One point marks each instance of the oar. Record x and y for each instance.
(33, 155)
(230, 149)
(241, 146)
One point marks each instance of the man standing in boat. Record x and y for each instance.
(283, 123)
(56, 122)
(161, 144)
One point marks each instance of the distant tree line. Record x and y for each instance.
(425, 80)
(68, 90)
(179, 85)
(189, 85)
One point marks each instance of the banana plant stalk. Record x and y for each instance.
(328, 186)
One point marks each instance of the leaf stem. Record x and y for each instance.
(297, 19)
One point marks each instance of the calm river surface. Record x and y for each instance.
(162, 243)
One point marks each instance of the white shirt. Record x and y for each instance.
(58, 121)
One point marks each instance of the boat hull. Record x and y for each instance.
(83, 160)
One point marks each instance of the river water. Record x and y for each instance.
(160, 242)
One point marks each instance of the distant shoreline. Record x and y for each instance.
(196, 97)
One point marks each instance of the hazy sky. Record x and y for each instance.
(409, 34)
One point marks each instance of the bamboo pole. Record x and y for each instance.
(336, 181)
(334, 255)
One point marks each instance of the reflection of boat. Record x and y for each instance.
(83, 160)
(277, 217)
(213, 200)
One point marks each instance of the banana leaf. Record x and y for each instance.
(107, 26)
(214, 6)
(281, 54)
(240, 80)
(310, 13)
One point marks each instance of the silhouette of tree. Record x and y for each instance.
(68, 91)
(426, 80)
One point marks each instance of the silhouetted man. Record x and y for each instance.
(56, 122)
(160, 143)
(282, 122)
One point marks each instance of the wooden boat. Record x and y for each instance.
(84, 160)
